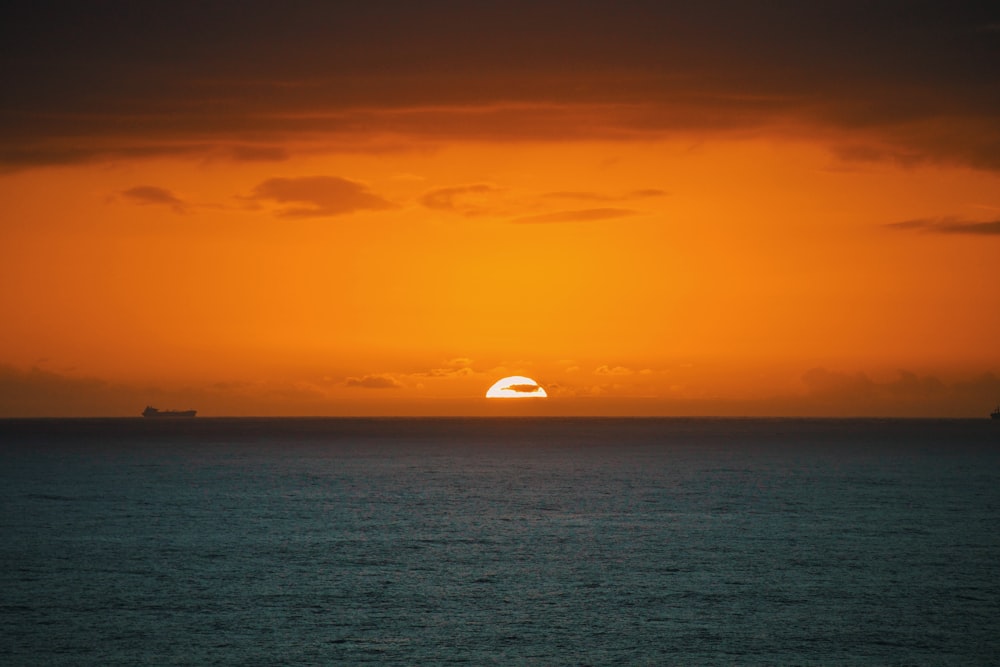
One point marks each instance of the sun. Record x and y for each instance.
(516, 386)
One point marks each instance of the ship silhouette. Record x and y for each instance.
(153, 412)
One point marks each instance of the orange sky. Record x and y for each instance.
(280, 215)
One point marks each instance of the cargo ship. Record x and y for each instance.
(153, 412)
(996, 413)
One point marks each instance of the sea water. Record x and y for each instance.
(499, 542)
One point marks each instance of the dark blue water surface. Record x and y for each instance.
(499, 541)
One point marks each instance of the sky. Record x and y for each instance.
(381, 208)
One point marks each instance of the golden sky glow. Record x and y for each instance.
(382, 211)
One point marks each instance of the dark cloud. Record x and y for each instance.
(600, 197)
(580, 196)
(910, 385)
(374, 382)
(983, 228)
(318, 196)
(583, 215)
(907, 394)
(948, 226)
(464, 199)
(523, 388)
(150, 194)
(259, 153)
(982, 386)
(38, 392)
(84, 81)
(16, 155)
(821, 382)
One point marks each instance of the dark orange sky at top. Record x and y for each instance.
(651, 209)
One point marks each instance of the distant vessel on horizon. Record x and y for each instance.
(996, 413)
(153, 412)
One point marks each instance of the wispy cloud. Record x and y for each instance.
(151, 195)
(450, 372)
(582, 215)
(602, 197)
(374, 382)
(318, 196)
(948, 226)
(613, 370)
(463, 199)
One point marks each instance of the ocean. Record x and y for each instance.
(499, 542)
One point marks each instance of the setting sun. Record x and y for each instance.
(516, 386)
